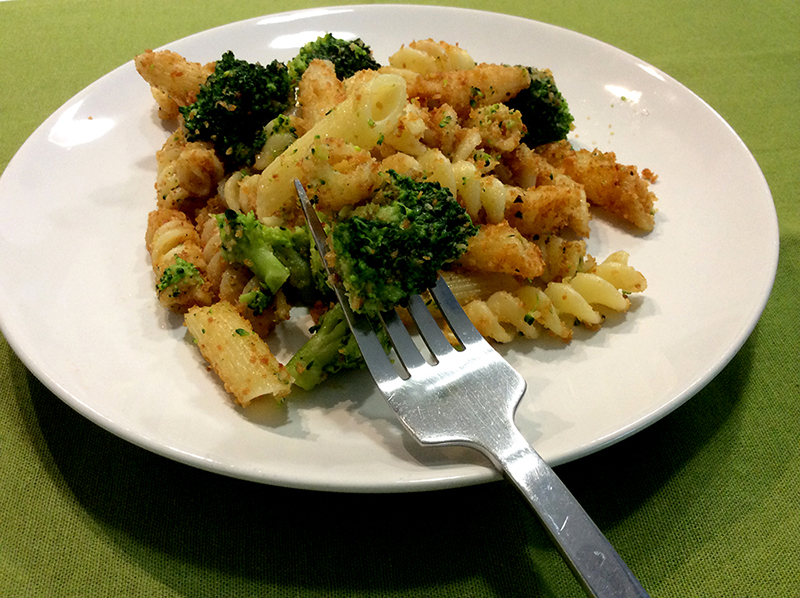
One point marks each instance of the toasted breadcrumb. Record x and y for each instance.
(502, 248)
(618, 188)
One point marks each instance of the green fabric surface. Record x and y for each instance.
(705, 502)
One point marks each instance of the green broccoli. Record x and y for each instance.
(258, 300)
(234, 104)
(181, 271)
(394, 247)
(276, 255)
(332, 347)
(544, 110)
(385, 251)
(348, 57)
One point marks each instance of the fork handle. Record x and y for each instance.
(593, 560)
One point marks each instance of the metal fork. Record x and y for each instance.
(467, 397)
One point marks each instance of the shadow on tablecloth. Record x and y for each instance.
(203, 534)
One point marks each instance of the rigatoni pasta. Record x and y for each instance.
(238, 355)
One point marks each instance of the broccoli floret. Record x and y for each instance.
(179, 272)
(332, 347)
(544, 110)
(257, 300)
(394, 247)
(279, 257)
(234, 104)
(348, 57)
(246, 241)
(385, 251)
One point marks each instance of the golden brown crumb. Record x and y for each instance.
(616, 187)
(173, 75)
(502, 248)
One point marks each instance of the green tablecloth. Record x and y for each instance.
(704, 503)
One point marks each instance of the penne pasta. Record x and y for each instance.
(237, 355)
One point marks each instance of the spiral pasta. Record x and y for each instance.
(186, 171)
(177, 260)
(540, 209)
(558, 305)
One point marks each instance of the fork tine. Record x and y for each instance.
(378, 362)
(429, 328)
(403, 344)
(458, 320)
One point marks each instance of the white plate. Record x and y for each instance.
(77, 302)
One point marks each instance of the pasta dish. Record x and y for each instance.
(431, 164)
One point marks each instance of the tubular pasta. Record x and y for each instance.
(502, 248)
(483, 85)
(617, 187)
(239, 357)
(428, 56)
(173, 75)
(369, 112)
(318, 91)
(549, 208)
(338, 174)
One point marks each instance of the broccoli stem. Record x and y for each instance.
(268, 268)
(330, 349)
